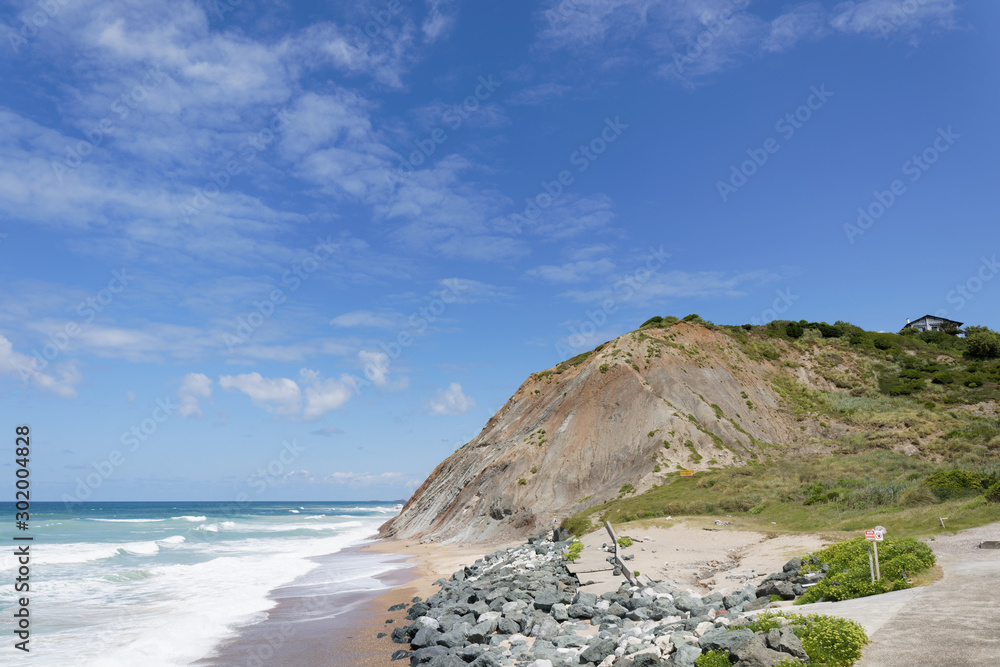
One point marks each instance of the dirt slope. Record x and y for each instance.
(584, 429)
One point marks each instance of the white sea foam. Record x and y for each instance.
(167, 599)
(294, 511)
(190, 518)
(127, 520)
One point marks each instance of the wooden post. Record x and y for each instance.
(941, 519)
(871, 566)
(618, 559)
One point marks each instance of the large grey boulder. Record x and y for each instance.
(599, 650)
(716, 640)
(686, 654)
(785, 640)
(785, 589)
(754, 653)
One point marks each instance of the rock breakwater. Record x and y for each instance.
(521, 607)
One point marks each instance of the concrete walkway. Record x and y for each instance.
(954, 622)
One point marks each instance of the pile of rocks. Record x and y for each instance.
(521, 607)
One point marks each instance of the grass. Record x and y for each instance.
(870, 489)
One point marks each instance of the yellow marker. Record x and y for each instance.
(687, 473)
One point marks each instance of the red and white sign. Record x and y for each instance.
(873, 535)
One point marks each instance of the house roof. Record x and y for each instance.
(943, 319)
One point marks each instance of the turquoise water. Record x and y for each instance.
(163, 583)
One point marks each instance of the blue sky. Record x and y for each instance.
(304, 251)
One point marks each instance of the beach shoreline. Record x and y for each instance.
(356, 634)
(343, 628)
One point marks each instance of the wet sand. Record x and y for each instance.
(332, 616)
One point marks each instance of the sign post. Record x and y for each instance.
(875, 536)
(871, 566)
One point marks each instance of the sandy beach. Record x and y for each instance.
(355, 634)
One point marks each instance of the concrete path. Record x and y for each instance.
(953, 622)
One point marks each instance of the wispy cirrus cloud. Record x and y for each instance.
(694, 38)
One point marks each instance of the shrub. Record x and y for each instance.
(828, 330)
(849, 575)
(521, 481)
(830, 640)
(574, 551)
(862, 338)
(603, 368)
(993, 493)
(949, 484)
(624, 542)
(827, 640)
(943, 377)
(982, 345)
(576, 525)
(626, 488)
(884, 341)
(718, 658)
(794, 330)
(974, 381)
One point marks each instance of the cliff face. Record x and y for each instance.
(574, 435)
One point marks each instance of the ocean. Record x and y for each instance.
(167, 583)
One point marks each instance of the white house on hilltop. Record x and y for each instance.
(931, 323)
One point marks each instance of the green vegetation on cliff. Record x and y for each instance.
(916, 437)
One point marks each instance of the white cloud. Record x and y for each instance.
(884, 17)
(195, 386)
(376, 368)
(539, 94)
(440, 19)
(15, 364)
(279, 395)
(699, 37)
(363, 478)
(324, 395)
(451, 401)
(680, 284)
(284, 396)
(367, 318)
(572, 272)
